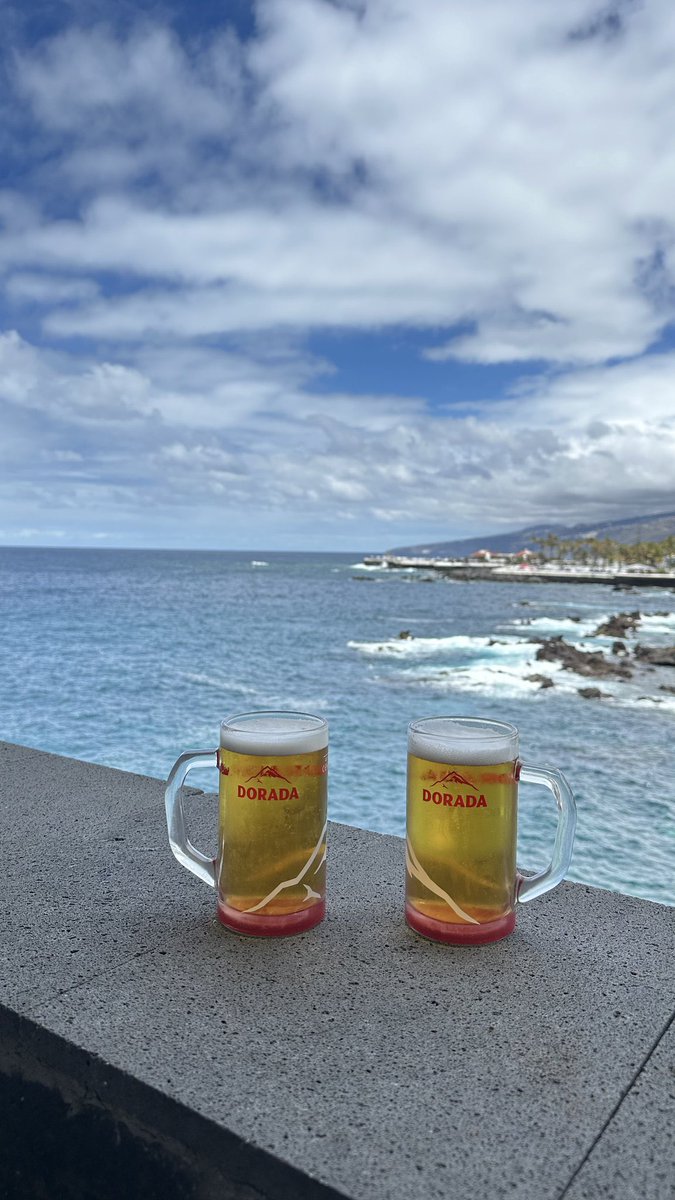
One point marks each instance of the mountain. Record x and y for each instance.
(454, 777)
(268, 773)
(628, 530)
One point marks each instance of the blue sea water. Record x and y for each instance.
(129, 657)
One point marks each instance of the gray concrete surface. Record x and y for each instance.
(634, 1158)
(358, 1057)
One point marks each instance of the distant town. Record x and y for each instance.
(556, 560)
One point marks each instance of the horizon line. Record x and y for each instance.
(178, 549)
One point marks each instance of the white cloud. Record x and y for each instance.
(638, 391)
(406, 163)
(122, 444)
(499, 177)
(25, 287)
(89, 77)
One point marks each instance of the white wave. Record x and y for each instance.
(500, 667)
(510, 681)
(665, 704)
(511, 678)
(421, 647)
(549, 625)
(658, 622)
(259, 562)
(361, 566)
(482, 678)
(649, 623)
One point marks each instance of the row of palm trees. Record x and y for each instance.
(606, 553)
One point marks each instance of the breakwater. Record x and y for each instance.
(524, 574)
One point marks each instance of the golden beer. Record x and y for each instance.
(461, 829)
(273, 808)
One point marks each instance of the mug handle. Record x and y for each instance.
(188, 855)
(531, 886)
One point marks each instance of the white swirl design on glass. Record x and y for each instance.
(286, 883)
(417, 871)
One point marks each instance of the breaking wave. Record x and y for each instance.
(494, 667)
(481, 678)
(421, 647)
(554, 625)
(661, 622)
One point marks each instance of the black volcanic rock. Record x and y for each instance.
(544, 681)
(658, 656)
(591, 693)
(619, 625)
(619, 648)
(591, 663)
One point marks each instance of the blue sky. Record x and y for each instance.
(337, 274)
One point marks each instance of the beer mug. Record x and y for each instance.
(462, 884)
(270, 872)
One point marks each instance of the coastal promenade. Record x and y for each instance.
(461, 569)
(146, 1051)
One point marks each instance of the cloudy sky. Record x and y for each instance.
(335, 274)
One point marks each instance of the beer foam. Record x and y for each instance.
(274, 733)
(459, 740)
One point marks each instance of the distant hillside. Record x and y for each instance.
(628, 530)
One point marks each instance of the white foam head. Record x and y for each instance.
(468, 740)
(275, 733)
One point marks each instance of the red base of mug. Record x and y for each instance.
(262, 925)
(460, 935)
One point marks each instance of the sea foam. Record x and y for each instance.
(421, 647)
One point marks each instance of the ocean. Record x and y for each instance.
(129, 657)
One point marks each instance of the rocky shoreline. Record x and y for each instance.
(626, 660)
(621, 662)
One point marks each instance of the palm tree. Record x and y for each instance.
(547, 542)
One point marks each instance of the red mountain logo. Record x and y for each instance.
(268, 773)
(455, 777)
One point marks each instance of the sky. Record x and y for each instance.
(334, 274)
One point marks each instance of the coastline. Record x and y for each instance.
(462, 570)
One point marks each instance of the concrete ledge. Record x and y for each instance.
(355, 1060)
(635, 1154)
(73, 1126)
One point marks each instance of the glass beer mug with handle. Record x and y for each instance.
(270, 871)
(462, 884)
